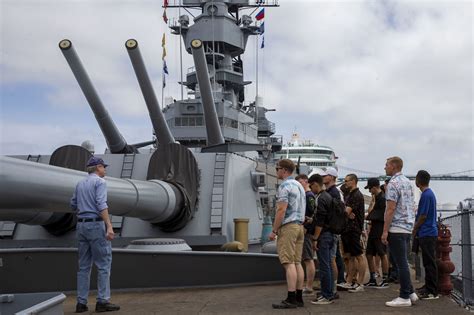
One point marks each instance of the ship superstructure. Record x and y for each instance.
(224, 33)
(307, 153)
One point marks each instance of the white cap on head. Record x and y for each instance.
(330, 171)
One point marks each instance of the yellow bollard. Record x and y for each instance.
(241, 232)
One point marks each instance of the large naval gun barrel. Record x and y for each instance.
(214, 133)
(115, 141)
(162, 131)
(27, 187)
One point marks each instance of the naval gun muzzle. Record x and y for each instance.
(213, 129)
(163, 133)
(27, 188)
(115, 141)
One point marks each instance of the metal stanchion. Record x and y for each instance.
(466, 246)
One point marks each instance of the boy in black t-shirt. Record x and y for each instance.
(374, 242)
(351, 236)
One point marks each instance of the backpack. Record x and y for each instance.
(337, 218)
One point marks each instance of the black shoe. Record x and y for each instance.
(284, 304)
(335, 296)
(421, 289)
(106, 307)
(392, 280)
(425, 295)
(370, 284)
(81, 308)
(383, 285)
(299, 303)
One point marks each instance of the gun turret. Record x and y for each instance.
(162, 131)
(214, 133)
(27, 187)
(115, 141)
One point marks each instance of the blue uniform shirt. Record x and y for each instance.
(427, 206)
(90, 197)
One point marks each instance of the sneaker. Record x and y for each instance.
(357, 288)
(383, 285)
(321, 301)
(398, 302)
(346, 285)
(307, 292)
(371, 284)
(427, 296)
(420, 289)
(284, 304)
(81, 308)
(335, 296)
(413, 297)
(106, 307)
(392, 280)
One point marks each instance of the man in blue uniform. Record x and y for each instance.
(94, 233)
(426, 231)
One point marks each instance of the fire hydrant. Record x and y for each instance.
(445, 265)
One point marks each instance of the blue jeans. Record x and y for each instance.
(325, 244)
(399, 244)
(394, 270)
(93, 247)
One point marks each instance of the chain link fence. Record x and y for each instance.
(462, 228)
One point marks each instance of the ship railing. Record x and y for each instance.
(461, 226)
(197, 3)
(273, 140)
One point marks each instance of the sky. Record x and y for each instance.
(371, 79)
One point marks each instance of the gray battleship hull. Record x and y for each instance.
(54, 269)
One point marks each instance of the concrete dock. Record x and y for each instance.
(258, 299)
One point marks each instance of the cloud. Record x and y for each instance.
(369, 78)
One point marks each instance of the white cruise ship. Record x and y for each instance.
(313, 157)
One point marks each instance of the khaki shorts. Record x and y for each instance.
(290, 243)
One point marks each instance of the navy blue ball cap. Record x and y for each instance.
(93, 161)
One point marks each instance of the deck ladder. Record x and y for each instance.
(127, 165)
(217, 197)
(126, 172)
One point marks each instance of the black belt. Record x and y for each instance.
(89, 219)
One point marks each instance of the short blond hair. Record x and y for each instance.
(396, 161)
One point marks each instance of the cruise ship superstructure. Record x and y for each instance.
(312, 157)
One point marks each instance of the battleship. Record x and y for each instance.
(173, 205)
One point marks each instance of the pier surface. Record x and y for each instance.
(258, 300)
